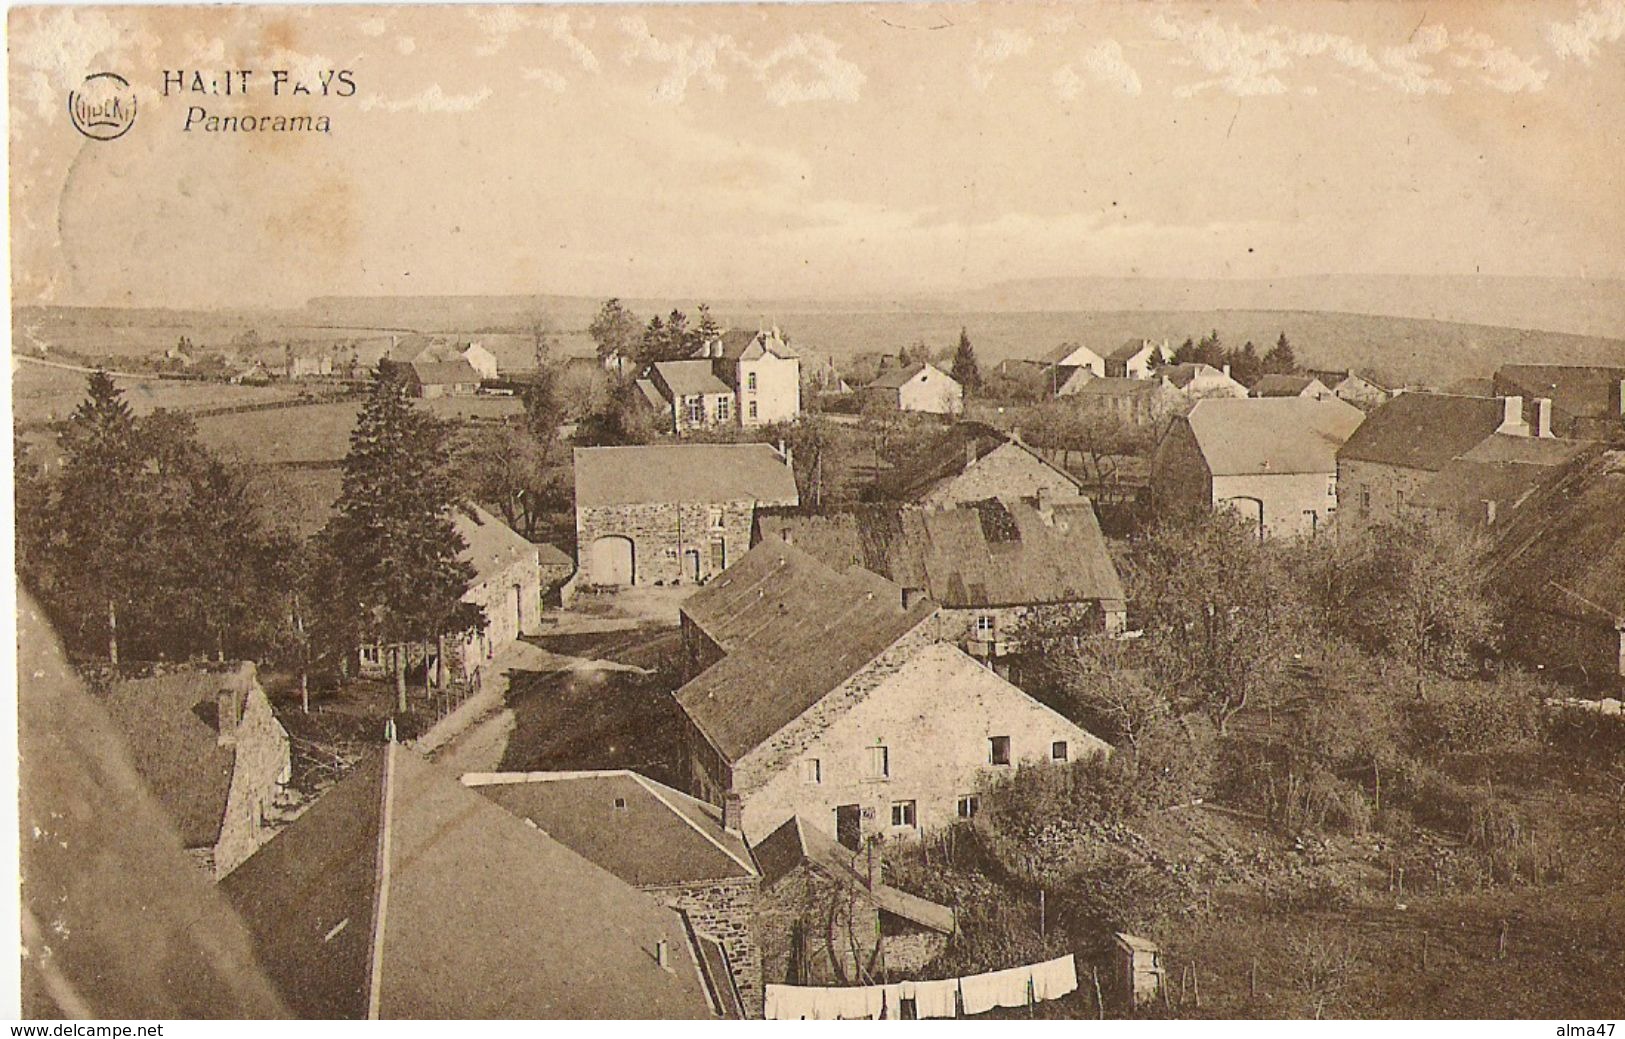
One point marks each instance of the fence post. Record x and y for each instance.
(1100, 1002)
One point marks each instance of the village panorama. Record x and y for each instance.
(743, 513)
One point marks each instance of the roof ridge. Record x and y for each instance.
(649, 785)
(375, 966)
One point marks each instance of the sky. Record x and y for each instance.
(808, 151)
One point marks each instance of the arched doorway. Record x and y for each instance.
(613, 561)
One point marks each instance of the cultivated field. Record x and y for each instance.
(282, 436)
(40, 393)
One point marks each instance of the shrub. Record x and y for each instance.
(1474, 717)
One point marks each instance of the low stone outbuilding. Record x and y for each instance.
(918, 387)
(672, 513)
(209, 746)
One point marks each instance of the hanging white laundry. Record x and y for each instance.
(850, 1004)
(934, 999)
(1003, 988)
(891, 1002)
(1054, 979)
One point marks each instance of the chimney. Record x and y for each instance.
(1226, 370)
(1619, 399)
(732, 809)
(1512, 422)
(663, 954)
(1046, 497)
(1489, 512)
(225, 716)
(1015, 433)
(1543, 418)
(912, 596)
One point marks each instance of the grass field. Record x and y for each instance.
(304, 434)
(44, 394)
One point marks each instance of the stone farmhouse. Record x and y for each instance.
(826, 918)
(672, 513)
(209, 747)
(1273, 460)
(918, 387)
(400, 893)
(690, 393)
(1481, 487)
(972, 461)
(828, 695)
(508, 585)
(1137, 359)
(990, 565)
(1362, 391)
(675, 848)
(430, 379)
(1385, 466)
(1200, 381)
(1587, 402)
(1290, 386)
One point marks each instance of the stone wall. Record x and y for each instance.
(1369, 493)
(662, 532)
(263, 765)
(937, 742)
(1294, 504)
(1180, 478)
(724, 909)
(1008, 471)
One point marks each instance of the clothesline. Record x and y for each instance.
(951, 997)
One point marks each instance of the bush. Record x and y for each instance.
(1474, 717)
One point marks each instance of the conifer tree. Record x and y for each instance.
(965, 371)
(1280, 360)
(394, 538)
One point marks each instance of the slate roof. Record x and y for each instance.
(493, 546)
(946, 457)
(736, 342)
(985, 553)
(1578, 390)
(170, 724)
(442, 373)
(1272, 435)
(792, 629)
(896, 378)
(1114, 386)
(1182, 375)
(642, 831)
(1284, 385)
(1128, 350)
(668, 473)
(1065, 350)
(1564, 548)
(1424, 430)
(402, 894)
(1504, 469)
(651, 393)
(796, 843)
(131, 928)
(690, 378)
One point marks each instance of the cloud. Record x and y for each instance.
(548, 78)
(808, 67)
(1596, 24)
(1106, 64)
(994, 50)
(431, 100)
(1249, 63)
(684, 57)
(558, 29)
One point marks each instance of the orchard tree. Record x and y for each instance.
(1220, 613)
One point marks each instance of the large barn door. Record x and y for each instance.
(612, 561)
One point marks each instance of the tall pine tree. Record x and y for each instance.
(1280, 359)
(394, 538)
(965, 371)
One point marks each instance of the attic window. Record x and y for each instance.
(620, 804)
(998, 750)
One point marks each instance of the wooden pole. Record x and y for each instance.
(1041, 921)
(1252, 979)
(1100, 1000)
(1196, 985)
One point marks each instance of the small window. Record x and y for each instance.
(812, 771)
(753, 406)
(1057, 750)
(879, 762)
(998, 750)
(968, 804)
(724, 409)
(372, 656)
(984, 625)
(713, 517)
(620, 804)
(696, 410)
(750, 380)
(902, 813)
(1365, 498)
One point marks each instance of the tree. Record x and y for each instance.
(543, 337)
(1210, 350)
(1097, 677)
(615, 330)
(1221, 616)
(394, 539)
(1280, 359)
(1419, 592)
(100, 511)
(965, 370)
(707, 330)
(1245, 365)
(1185, 353)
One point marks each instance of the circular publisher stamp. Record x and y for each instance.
(103, 106)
